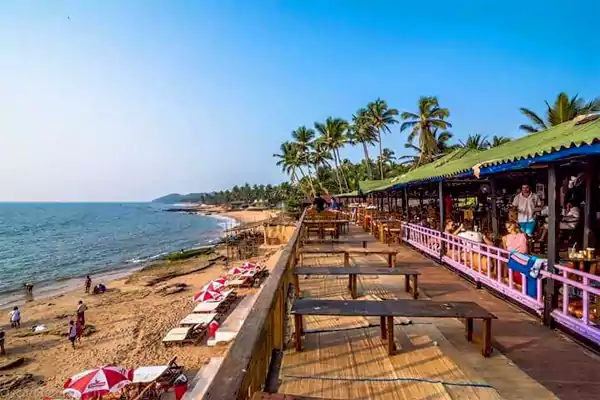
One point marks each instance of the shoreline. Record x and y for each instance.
(55, 289)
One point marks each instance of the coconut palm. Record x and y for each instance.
(424, 124)
(291, 161)
(564, 109)
(304, 137)
(380, 116)
(363, 132)
(499, 141)
(334, 136)
(441, 147)
(475, 142)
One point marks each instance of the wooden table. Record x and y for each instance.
(353, 272)
(338, 225)
(585, 264)
(390, 253)
(388, 309)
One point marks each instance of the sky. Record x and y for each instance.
(130, 100)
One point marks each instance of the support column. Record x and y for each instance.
(442, 216)
(589, 211)
(550, 298)
(495, 228)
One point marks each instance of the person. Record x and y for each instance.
(515, 240)
(78, 330)
(81, 312)
(319, 202)
(2, 351)
(72, 335)
(448, 204)
(88, 284)
(526, 204)
(465, 231)
(15, 318)
(28, 287)
(570, 217)
(335, 205)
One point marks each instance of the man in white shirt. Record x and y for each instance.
(570, 217)
(527, 204)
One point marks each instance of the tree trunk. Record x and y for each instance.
(312, 188)
(337, 172)
(380, 154)
(368, 161)
(342, 170)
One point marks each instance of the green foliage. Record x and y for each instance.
(184, 255)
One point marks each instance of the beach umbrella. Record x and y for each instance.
(222, 280)
(207, 296)
(236, 271)
(98, 382)
(213, 286)
(250, 265)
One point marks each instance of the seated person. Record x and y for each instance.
(470, 258)
(99, 288)
(515, 240)
(465, 231)
(570, 217)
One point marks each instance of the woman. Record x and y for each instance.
(515, 240)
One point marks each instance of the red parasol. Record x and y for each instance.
(213, 286)
(98, 382)
(207, 296)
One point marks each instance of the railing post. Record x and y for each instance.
(442, 217)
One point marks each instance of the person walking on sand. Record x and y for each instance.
(88, 284)
(78, 330)
(81, 312)
(15, 318)
(72, 335)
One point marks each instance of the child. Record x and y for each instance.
(15, 318)
(72, 335)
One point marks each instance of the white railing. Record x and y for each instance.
(488, 265)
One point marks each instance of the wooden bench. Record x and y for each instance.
(390, 253)
(332, 242)
(281, 396)
(388, 309)
(353, 272)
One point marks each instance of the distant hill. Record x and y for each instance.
(175, 198)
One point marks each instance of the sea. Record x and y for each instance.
(55, 245)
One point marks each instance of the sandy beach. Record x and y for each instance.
(129, 321)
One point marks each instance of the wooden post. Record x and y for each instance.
(442, 216)
(589, 210)
(495, 228)
(406, 204)
(550, 298)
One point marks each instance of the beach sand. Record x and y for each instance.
(249, 216)
(130, 321)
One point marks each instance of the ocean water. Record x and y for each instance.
(53, 242)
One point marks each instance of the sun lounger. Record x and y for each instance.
(186, 334)
(198, 319)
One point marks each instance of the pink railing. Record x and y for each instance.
(488, 265)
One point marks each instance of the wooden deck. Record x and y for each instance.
(344, 357)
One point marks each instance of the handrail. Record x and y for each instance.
(244, 368)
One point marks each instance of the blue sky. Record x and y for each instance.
(129, 100)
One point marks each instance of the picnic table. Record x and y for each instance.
(336, 241)
(389, 252)
(388, 309)
(353, 272)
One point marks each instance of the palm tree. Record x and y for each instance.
(380, 116)
(334, 136)
(288, 160)
(441, 147)
(363, 132)
(304, 137)
(424, 125)
(476, 142)
(564, 109)
(499, 141)
(387, 156)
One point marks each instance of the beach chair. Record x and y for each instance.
(198, 319)
(185, 334)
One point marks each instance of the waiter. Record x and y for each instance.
(526, 203)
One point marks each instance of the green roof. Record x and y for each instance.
(564, 136)
(353, 193)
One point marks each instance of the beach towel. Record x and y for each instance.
(530, 266)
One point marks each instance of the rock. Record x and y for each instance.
(12, 382)
(172, 289)
(17, 362)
